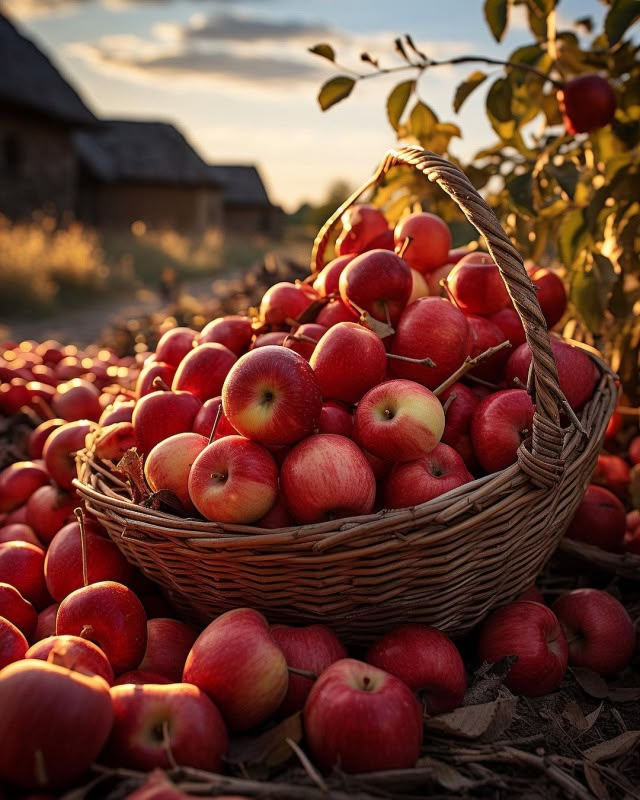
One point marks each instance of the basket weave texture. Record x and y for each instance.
(446, 562)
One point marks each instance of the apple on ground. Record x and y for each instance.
(77, 399)
(169, 462)
(174, 345)
(599, 520)
(598, 628)
(362, 719)
(60, 450)
(327, 476)
(163, 725)
(74, 653)
(48, 509)
(19, 532)
(427, 661)
(500, 423)
(40, 434)
(19, 481)
(310, 648)
(236, 661)
(53, 725)
(531, 632)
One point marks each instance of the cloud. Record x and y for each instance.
(231, 27)
(23, 9)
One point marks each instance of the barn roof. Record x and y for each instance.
(29, 80)
(241, 183)
(141, 151)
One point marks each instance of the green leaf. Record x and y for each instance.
(324, 51)
(422, 120)
(464, 89)
(397, 102)
(591, 290)
(621, 16)
(495, 13)
(498, 106)
(570, 236)
(566, 176)
(335, 90)
(520, 191)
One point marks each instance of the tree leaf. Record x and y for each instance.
(422, 120)
(397, 101)
(335, 90)
(495, 13)
(621, 16)
(613, 748)
(324, 51)
(467, 87)
(570, 236)
(566, 176)
(520, 191)
(498, 106)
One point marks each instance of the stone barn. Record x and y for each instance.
(39, 111)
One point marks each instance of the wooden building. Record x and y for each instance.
(247, 208)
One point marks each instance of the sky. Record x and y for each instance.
(236, 77)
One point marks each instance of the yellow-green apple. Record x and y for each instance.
(413, 482)
(19, 532)
(111, 442)
(362, 719)
(60, 450)
(361, 225)
(500, 423)
(598, 628)
(348, 361)
(378, 282)
(75, 653)
(335, 311)
(233, 480)
(327, 280)
(238, 664)
(77, 399)
(168, 645)
(149, 372)
(162, 725)
(46, 622)
(18, 481)
(203, 370)
(169, 462)
(398, 420)
(424, 240)
(485, 334)
(174, 345)
(121, 411)
(531, 632)
(304, 339)
(510, 324)
(427, 661)
(327, 476)
(13, 643)
(613, 472)
(599, 520)
(577, 374)
(48, 509)
(310, 648)
(430, 327)
(335, 418)
(22, 565)
(550, 292)
(161, 414)
(17, 609)
(476, 285)
(110, 615)
(457, 428)
(271, 395)
(40, 434)
(587, 102)
(285, 301)
(53, 725)
(233, 331)
(63, 564)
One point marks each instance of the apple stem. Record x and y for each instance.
(482, 382)
(86, 632)
(44, 409)
(299, 337)
(425, 362)
(468, 364)
(385, 305)
(215, 423)
(166, 743)
(448, 402)
(159, 385)
(445, 285)
(304, 673)
(405, 246)
(79, 514)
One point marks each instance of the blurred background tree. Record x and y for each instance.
(562, 176)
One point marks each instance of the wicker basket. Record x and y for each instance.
(446, 562)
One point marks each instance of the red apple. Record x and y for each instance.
(419, 286)
(531, 632)
(162, 414)
(550, 292)
(152, 370)
(237, 663)
(500, 423)
(162, 725)
(22, 565)
(305, 338)
(77, 399)
(168, 644)
(335, 418)
(458, 416)
(139, 677)
(233, 480)
(327, 280)
(48, 509)
(271, 395)
(40, 434)
(599, 520)
(206, 419)
(335, 311)
(484, 335)
(587, 103)
(174, 345)
(599, 630)
(398, 420)
(46, 622)
(110, 615)
(232, 331)
(413, 482)
(423, 240)
(510, 324)
(634, 450)
(13, 643)
(285, 301)
(53, 725)
(310, 648)
(168, 465)
(112, 441)
(19, 532)
(430, 327)
(203, 371)
(348, 360)
(17, 610)
(362, 719)
(614, 473)
(270, 338)
(378, 282)
(118, 412)
(19, 481)
(74, 653)
(60, 450)
(427, 661)
(277, 516)
(327, 477)
(361, 224)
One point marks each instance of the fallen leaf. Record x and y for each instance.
(613, 748)
(131, 468)
(596, 784)
(595, 686)
(485, 721)
(576, 716)
(445, 774)
(488, 680)
(269, 749)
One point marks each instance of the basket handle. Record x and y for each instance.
(543, 463)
